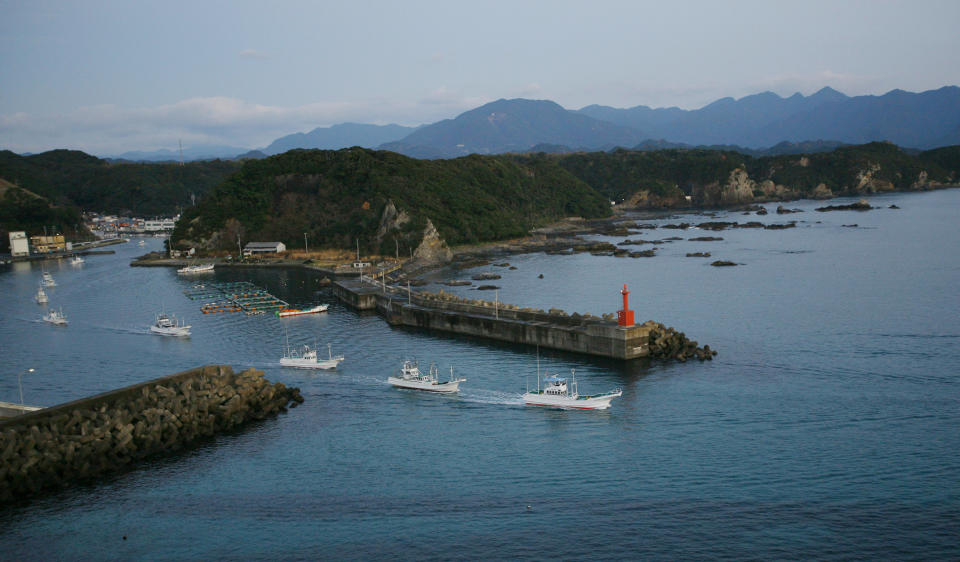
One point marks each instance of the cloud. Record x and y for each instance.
(111, 129)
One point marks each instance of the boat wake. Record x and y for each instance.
(481, 396)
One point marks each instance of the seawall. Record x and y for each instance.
(53, 447)
(556, 330)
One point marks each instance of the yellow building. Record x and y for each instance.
(47, 244)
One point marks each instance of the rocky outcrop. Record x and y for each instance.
(867, 182)
(56, 446)
(821, 192)
(738, 189)
(432, 249)
(861, 205)
(390, 220)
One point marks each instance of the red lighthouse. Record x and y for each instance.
(625, 316)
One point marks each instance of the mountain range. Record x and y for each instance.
(754, 123)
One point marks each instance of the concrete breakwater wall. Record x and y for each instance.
(555, 329)
(50, 448)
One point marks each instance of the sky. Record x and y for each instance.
(108, 77)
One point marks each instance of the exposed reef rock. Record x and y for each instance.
(861, 205)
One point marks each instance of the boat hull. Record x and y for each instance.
(314, 310)
(569, 402)
(308, 364)
(441, 387)
(182, 331)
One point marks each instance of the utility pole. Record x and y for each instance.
(305, 249)
(239, 249)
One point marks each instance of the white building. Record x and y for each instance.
(19, 245)
(264, 248)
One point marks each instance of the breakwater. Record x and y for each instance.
(55, 446)
(555, 329)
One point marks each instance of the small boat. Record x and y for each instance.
(195, 269)
(47, 280)
(557, 394)
(284, 312)
(306, 358)
(55, 317)
(411, 377)
(167, 326)
(41, 296)
(77, 260)
(141, 243)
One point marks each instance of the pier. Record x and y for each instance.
(504, 322)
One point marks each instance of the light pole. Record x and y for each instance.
(20, 384)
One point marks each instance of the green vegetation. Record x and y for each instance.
(701, 173)
(337, 197)
(70, 177)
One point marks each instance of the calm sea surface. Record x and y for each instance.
(828, 427)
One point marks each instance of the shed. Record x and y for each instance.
(264, 248)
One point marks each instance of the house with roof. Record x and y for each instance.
(264, 248)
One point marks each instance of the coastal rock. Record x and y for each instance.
(390, 220)
(699, 255)
(781, 210)
(705, 239)
(821, 192)
(738, 189)
(861, 205)
(723, 263)
(432, 250)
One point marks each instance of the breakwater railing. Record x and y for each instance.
(79, 440)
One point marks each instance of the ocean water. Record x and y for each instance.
(827, 427)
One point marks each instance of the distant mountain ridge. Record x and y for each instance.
(512, 126)
(344, 135)
(756, 123)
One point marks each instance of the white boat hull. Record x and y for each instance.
(180, 331)
(444, 387)
(310, 364)
(196, 269)
(601, 402)
(314, 310)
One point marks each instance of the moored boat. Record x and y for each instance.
(77, 260)
(55, 317)
(411, 377)
(47, 280)
(196, 269)
(167, 326)
(41, 296)
(557, 394)
(285, 312)
(306, 358)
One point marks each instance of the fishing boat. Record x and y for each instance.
(47, 280)
(284, 312)
(77, 260)
(557, 394)
(196, 269)
(41, 296)
(141, 243)
(55, 317)
(306, 358)
(411, 377)
(167, 326)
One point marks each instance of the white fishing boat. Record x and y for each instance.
(77, 260)
(306, 358)
(285, 312)
(411, 377)
(196, 269)
(141, 243)
(55, 317)
(41, 296)
(557, 394)
(167, 326)
(47, 280)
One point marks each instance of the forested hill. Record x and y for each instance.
(70, 177)
(665, 178)
(338, 197)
